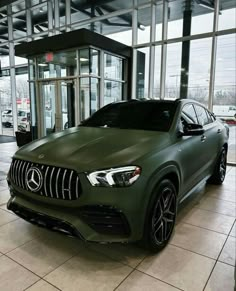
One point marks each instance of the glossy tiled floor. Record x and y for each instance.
(200, 256)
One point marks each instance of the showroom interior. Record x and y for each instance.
(62, 60)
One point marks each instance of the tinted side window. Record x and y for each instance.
(190, 113)
(201, 115)
(210, 117)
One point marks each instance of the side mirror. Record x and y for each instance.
(192, 129)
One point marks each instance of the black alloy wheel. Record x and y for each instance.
(222, 166)
(162, 217)
(220, 169)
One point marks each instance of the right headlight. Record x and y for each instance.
(115, 177)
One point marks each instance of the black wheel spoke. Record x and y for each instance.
(164, 215)
(169, 203)
(168, 220)
(158, 227)
(222, 165)
(156, 222)
(165, 229)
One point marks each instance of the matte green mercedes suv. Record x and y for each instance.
(120, 175)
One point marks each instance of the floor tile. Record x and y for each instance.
(178, 267)
(4, 207)
(230, 179)
(6, 217)
(13, 276)
(199, 240)
(233, 230)
(137, 281)
(227, 195)
(217, 205)
(127, 254)
(222, 278)
(231, 172)
(2, 188)
(228, 185)
(208, 219)
(228, 254)
(46, 253)
(16, 233)
(42, 286)
(89, 270)
(3, 183)
(4, 196)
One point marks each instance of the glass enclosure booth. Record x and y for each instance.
(68, 85)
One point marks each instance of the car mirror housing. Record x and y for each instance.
(192, 129)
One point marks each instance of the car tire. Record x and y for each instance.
(161, 215)
(218, 176)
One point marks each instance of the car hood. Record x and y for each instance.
(88, 148)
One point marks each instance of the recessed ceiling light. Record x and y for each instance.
(83, 59)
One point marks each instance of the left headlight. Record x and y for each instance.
(115, 177)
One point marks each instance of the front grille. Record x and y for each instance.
(59, 183)
(105, 219)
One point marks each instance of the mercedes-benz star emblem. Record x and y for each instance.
(34, 179)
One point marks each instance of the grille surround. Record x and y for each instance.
(58, 183)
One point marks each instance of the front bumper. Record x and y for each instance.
(97, 216)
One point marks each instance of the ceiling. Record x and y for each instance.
(86, 9)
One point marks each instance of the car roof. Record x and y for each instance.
(170, 101)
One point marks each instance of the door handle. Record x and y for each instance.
(203, 138)
(219, 130)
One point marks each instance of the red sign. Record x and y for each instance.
(49, 57)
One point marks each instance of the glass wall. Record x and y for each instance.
(113, 78)
(143, 55)
(6, 106)
(173, 70)
(224, 102)
(22, 99)
(199, 70)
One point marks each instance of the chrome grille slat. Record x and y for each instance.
(27, 168)
(71, 174)
(45, 182)
(13, 172)
(17, 172)
(50, 184)
(58, 183)
(63, 184)
(23, 176)
(77, 188)
(20, 174)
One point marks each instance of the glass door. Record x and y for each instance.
(48, 105)
(67, 100)
(57, 104)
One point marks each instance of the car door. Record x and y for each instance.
(190, 149)
(210, 146)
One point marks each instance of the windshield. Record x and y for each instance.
(141, 115)
(21, 113)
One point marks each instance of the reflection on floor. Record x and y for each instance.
(6, 138)
(232, 144)
(200, 256)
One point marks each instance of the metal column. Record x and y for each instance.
(12, 67)
(213, 56)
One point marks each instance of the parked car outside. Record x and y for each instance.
(7, 118)
(23, 118)
(121, 174)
